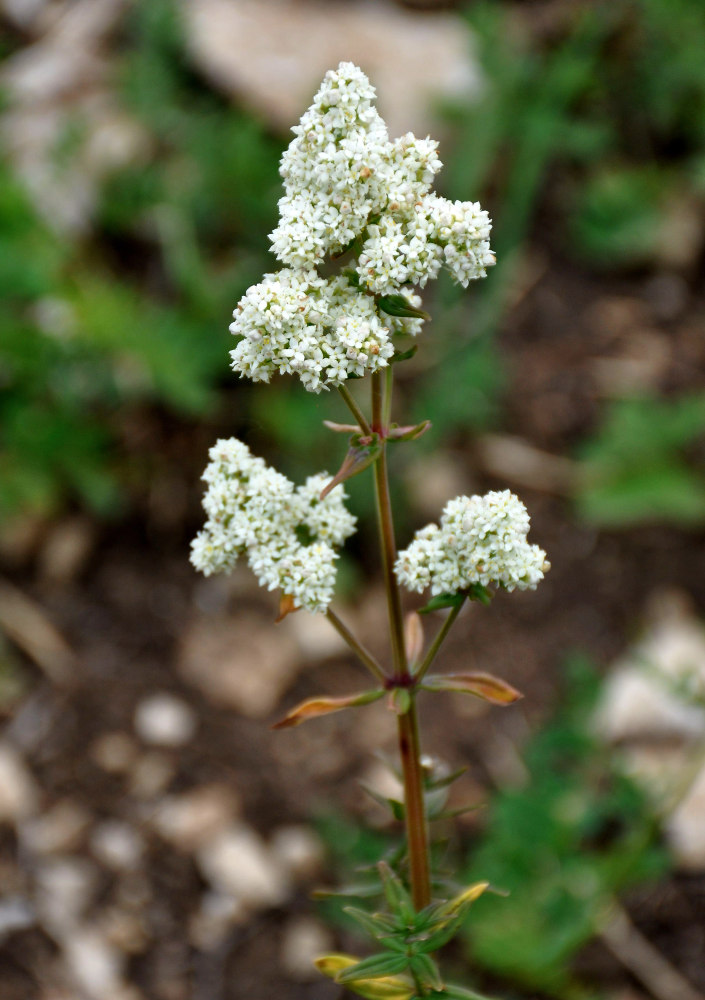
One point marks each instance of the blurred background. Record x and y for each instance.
(157, 841)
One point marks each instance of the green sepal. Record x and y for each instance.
(373, 967)
(478, 592)
(399, 305)
(406, 355)
(423, 968)
(443, 601)
(363, 451)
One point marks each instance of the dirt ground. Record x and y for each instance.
(97, 828)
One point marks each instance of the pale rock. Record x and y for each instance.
(298, 849)
(241, 663)
(64, 890)
(58, 830)
(212, 921)
(686, 827)
(304, 940)
(124, 930)
(117, 844)
(316, 637)
(164, 720)
(19, 796)
(433, 478)
(189, 820)
(66, 549)
(657, 689)
(238, 862)
(15, 915)
(150, 775)
(23, 13)
(94, 965)
(274, 55)
(114, 752)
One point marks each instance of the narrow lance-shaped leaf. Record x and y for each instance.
(313, 707)
(456, 907)
(410, 432)
(379, 925)
(394, 805)
(384, 988)
(425, 969)
(373, 967)
(341, 428)
(397, 896)
(481, 685)
(363, 451)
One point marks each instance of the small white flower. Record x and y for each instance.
(288, 535)
(481, 539)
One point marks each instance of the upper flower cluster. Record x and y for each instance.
(480, 540)
(348, 187)
(288, 535)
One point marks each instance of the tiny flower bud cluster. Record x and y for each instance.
(481, 540)
(349, 187)
(288, 535)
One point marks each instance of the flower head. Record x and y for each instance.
(288, 535)
(350, 189)
(480, 540)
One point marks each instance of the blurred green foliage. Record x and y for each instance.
(137, 310)
(645, 464)
(563, 845)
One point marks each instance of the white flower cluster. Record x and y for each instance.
(481, 539)
(288, 535)
(347, 183)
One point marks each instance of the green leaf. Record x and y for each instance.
(442, 601)
(478, 592)
(394, 805)
(425, 969)
(363, 452)
(398, 898)
(400, 700)
(405, 355)
(377, 924)
(373, 967)
(461, 993)
(399, 305)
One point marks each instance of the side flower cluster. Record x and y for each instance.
(287, 534)
(349, 188)
(480, 540)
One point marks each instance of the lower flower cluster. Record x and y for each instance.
(288, 535)
(481, 540)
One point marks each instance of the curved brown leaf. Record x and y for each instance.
(313, 707)
(481, 685)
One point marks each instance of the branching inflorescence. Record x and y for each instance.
(360, 230)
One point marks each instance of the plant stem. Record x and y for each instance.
(362, 654)
(437, 642)
(415, 812)
(386, 528)
(355, 410)
(407, 723)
